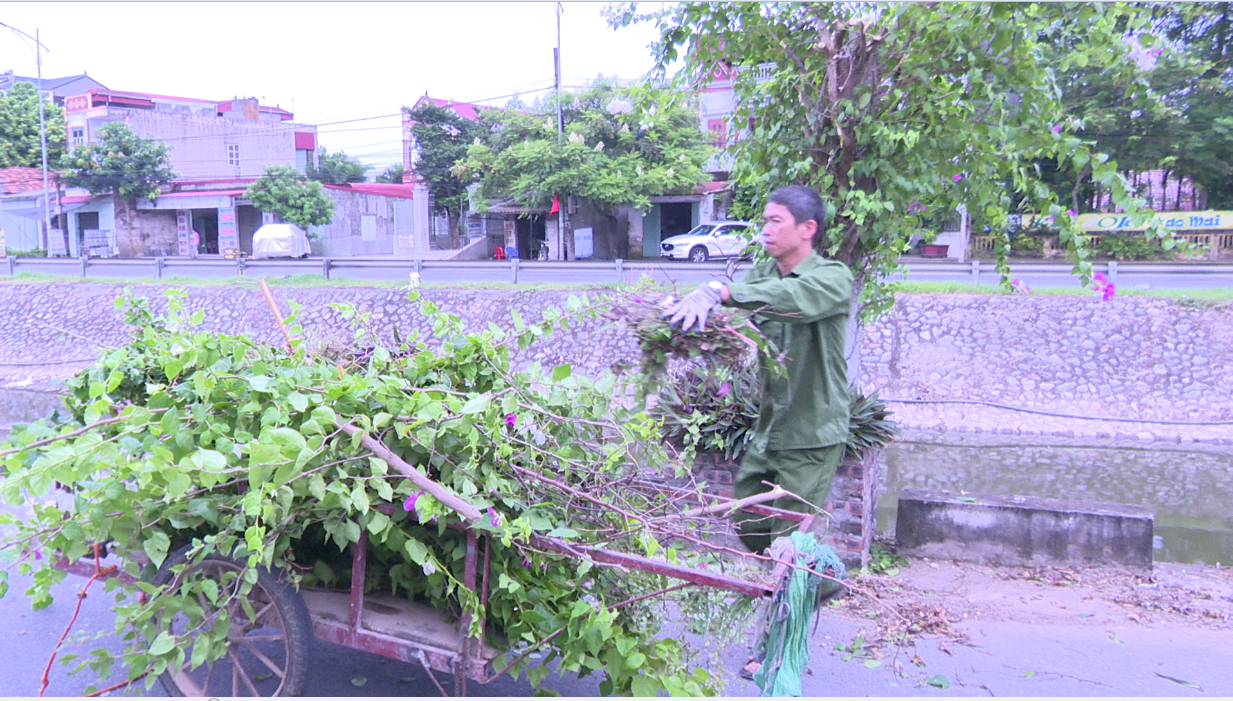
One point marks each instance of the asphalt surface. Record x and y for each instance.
(999, 658)
(533, 272)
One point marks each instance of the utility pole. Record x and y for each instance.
(556, 59)
(38, 61)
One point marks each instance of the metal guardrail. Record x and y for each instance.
(161, 267)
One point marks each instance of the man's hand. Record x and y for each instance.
(696, 306)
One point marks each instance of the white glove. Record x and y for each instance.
(696, 306)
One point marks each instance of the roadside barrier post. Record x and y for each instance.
(325, 268)
(84, 263)
(158, 267)
(11, 260)
(975, 272)
(513, 264)
(1113, 271)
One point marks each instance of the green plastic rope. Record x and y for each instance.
(786, 643)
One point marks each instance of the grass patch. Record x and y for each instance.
(1207, 296)
(1204, 295)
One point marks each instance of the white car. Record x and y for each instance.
(723, 239)
(280, 241)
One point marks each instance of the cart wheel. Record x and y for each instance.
(267, 656)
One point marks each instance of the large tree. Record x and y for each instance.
(621, 146)
(283, 190)
(887, 107)
(392, 174)
(120, 163)
(1173, 116)
(336, 168)
(441, 138)
(20, 143)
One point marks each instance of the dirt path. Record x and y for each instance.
(950, 628)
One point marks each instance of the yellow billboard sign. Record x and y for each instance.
(1181, 221)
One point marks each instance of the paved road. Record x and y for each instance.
(534, 272)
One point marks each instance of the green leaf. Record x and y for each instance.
(477, 405)
(416, 550)
(872, 664)
(643, 685)
(163, 643)
(561, 372)
(260, 383)
(938, 680)
(298, 401)
(358, 681)
(155, 546)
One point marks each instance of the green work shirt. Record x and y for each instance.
(805, 314)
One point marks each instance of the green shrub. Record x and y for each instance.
(27, 252)
(1023, 243)
(1129, 247)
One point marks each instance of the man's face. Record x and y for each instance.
(782, 237)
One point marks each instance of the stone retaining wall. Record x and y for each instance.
(1132, 357)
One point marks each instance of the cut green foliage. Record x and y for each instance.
(241, 449)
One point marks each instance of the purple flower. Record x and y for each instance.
(588, 584)
(511, 421)
(958, 177)
(526, 562)
(1071, 212)
(724, 389)
(496, 518)
(637, 299)
(1057, 128)
(1019, 287)
(1104, 287)
(409, 504)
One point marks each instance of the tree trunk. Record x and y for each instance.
(454, 216)
(856, 331)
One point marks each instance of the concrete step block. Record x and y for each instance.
(1022, 531)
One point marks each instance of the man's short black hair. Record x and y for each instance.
(804, 203)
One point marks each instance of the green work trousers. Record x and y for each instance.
(807, 473)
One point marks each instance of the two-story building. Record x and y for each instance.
(215, 148)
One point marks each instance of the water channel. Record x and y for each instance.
(1189, 487)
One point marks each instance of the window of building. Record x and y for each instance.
(719, 133)
(233, 154)
(77, 136)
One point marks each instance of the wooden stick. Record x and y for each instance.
(464, 508)
(775, 493)
(278, 317)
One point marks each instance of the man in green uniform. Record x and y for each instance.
(802, 302)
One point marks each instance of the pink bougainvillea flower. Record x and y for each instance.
(1071, 212)
(511, 421)
(409, 504)
(496, 517)
(958, 177)
(1057, 128)
(1104, 287)
(724, 389)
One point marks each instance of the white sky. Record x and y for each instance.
(334, 60)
